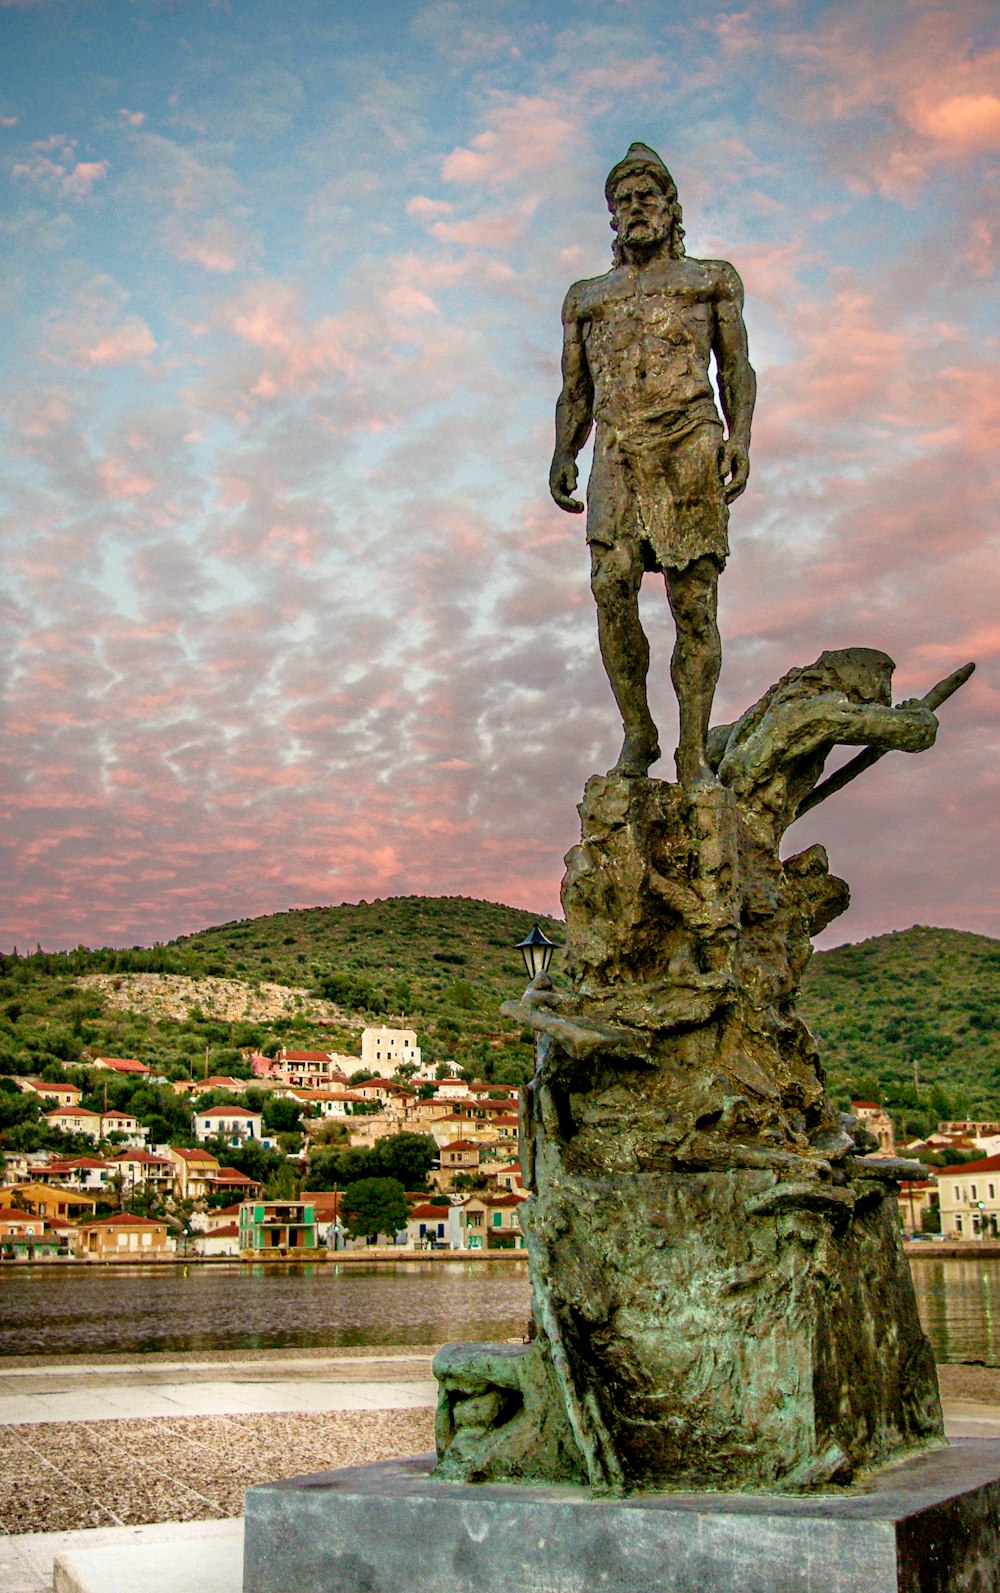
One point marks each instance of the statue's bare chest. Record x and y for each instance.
(664, 319)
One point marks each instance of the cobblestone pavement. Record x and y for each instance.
(62, 1476)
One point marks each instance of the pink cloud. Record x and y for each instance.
(68, 177)
(968, 122)
(124, 344)
(426, 209)
(132, 118)
(526, 136)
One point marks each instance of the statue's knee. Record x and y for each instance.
(611, 580)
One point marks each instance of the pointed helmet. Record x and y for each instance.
(640, 158)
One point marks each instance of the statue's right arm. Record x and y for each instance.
(575, 406)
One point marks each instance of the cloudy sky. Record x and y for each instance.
(287, 615)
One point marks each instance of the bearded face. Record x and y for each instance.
(643, 216)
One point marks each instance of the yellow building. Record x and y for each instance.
(123, 1238)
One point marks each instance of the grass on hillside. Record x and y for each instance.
(910, 1019)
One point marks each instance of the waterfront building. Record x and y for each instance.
(25, 1237)
(123, 1237)
(436, 1227)
(916, 1197)
(970, 1199)
(276, 1227)
(491, 1221)
(223, 1240)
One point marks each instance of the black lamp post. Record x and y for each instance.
(536, 949)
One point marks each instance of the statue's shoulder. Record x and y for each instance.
(579, 302)
(722, 278)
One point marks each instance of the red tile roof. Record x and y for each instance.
(228, 1111)
(988, 1164)
(122, 1219)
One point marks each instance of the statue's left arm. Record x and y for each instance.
(737, 382)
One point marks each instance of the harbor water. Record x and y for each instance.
(54, 1310)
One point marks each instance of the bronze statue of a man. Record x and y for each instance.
(637, 347)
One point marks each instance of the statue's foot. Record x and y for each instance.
(637, 753)
(694, 772)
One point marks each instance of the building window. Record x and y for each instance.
(958, 1192)
(498, 1219)
(990, 1188)
(958, 1222)
(974, 1195)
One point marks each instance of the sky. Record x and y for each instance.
(287, 616)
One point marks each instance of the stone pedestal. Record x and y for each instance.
(927, 1525)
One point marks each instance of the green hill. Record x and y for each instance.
(442, 964)
(911, 1018)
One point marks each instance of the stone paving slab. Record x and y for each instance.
(115, 1401)
(172, 1557)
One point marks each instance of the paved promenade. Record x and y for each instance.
(153, 1456)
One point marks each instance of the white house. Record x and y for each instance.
(436, 1228)
(234, 1123)
(970, 1199)
(383, 1050)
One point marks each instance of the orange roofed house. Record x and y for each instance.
(123, 1238)
(127, 1065)
(194, 1168)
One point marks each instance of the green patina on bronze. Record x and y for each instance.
(720, 1298)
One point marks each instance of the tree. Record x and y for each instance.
(329, 1132)
(323, 1168)
(282, 1115)
(374, 1205)
(407, 1157)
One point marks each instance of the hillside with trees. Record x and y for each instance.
(910, 1019)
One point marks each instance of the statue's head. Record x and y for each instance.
(863, 674)
(642, 198)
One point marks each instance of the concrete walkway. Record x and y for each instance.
(91, 1392)
(207, 1556)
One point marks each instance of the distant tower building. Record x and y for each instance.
(382, 1050)
(878, 1122)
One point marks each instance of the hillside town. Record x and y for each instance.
(314, 1153)
(268, 1166)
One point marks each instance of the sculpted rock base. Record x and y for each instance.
(720, 1298)
(725, 1330)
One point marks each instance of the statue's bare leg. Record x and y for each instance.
(696, 662)
(616, 575)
